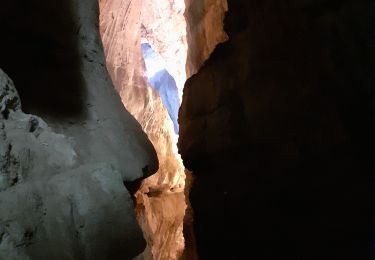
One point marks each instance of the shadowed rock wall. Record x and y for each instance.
(61, 177)
(277, 127)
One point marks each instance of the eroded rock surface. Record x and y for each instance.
(50, 204)
(277, 127)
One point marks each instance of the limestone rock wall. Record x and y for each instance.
(61, 177)
(277, 127)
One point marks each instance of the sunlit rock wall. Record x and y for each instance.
(120, 25)
(164, 26)
(62, 170)
(127, 69)
(278, 129)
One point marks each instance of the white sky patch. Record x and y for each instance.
(154, 62)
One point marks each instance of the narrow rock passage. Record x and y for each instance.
(155, 106)
(152, 94)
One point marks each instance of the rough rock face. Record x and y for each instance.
(27, 140)
(61, 177)
(278, 128)
(204, 19)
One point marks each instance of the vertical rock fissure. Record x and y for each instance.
(146, 46)
(160, 200)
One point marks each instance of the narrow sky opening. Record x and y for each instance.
(162, 81)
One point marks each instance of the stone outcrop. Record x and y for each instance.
(277, 127)
(62, 193)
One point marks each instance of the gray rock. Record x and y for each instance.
(51, 207)
(9, 99)
(26, 141)
(79, 214)
(61, 177)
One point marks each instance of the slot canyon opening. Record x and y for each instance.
(162, 81)
(151, 48)
(277, 125)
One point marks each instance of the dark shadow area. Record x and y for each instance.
(39, 52)
(293, 175)
(133, 187)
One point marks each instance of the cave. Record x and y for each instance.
(187, 129)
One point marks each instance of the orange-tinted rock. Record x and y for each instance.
(120, 25)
